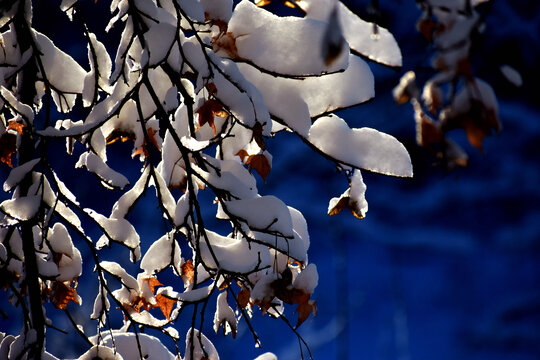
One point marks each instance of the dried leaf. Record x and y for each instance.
(242, 154)
(188, 271)
(227, 43)
(340, 205)
(259, 163)
(263, 3)
(14, 125)
(123, 136)
(165, 304)
(305, 309)
(61, 294)
(207, 111)
(8, 146)
(243, 297)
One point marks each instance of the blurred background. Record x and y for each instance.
(444, 266)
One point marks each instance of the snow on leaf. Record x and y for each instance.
(121, 274)
(266, 356)
(127, 345)
(224, 316)
(363, 148)
(96, 165)
(234, 255)
(100, 352)
(22, 208)
(64, 74)
(265, 213)
(286, 45)
(118, 230)
(365, 38)
(101, 305)
(20, 108)
(162, 253)
(124, 204)
(197, 341)
(17, 174)
(321, 94)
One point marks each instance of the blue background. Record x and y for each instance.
(445, 266)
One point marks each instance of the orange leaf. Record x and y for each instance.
(18, 127)
(340, 205)
(207, 111)
(61, 295)
(152, 283)
(243, 297)
(120, 135)
(304, 310)
(242, 154)
(165, 304)
(259, 163)
(8, 146)
(263, 2)
(188, 271)
(212, 89)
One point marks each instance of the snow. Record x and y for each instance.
(17, 174)
(127, 346)
(224, 315)
(265, 213)
(96, 165)
(363, 148)
(117, 229)
(20, 108)
(101, 352)
(512, 75)
(380, 46)
(182, 209)
(308, 279)
(22, 208)
(123, 205)
(101, 305)
(233, 177)
(284, 45)
(321, 94)
(101, 70)
(120, 273)
(234, 255)
(161, 254)
(209, 352)
(218, 9)
(64, 74)
(266, 356)
(189, 296)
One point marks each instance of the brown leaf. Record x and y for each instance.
(8, 146)
(305, 309)
(225, 42)
(259, 163)
(62, 294)
(263, 2)
(207, 111)
(212, 89)
(188, 271)
(123, 136)
(340, 205)
(258, 136)
(242, 154)
(165, 304)
(243, 297)
(14, 125)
